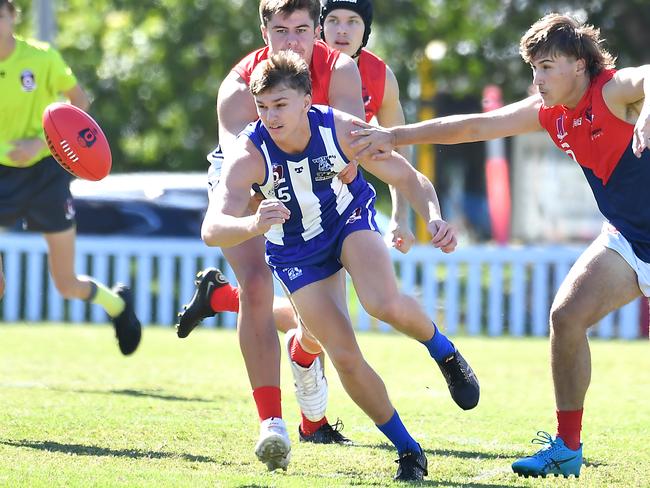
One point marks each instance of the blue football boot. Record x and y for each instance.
(553, 459)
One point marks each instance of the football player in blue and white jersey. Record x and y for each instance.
(315, 226)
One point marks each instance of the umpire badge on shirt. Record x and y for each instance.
(27, 80)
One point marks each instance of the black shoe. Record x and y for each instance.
(199, 307)
(127, 326)
(412, 466)
(461, 380)
(326, 434)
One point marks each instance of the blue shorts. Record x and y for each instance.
(295, 277)
(39, 196)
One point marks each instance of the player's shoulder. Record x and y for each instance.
(343, 122)
(371, 57)
(36, 47)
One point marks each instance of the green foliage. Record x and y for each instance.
(75, 413)
(153, 67)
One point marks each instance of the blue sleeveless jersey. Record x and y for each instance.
(306, 183)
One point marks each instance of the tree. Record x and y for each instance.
(153, 67)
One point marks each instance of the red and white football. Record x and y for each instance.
(76, 141)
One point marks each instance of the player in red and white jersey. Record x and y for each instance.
(600, 118)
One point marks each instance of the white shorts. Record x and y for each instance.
(610, 237)
(215, 158)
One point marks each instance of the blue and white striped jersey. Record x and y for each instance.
(306, 183)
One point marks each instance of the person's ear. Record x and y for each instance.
(581, 66)
(265, 34)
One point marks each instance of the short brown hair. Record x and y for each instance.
(269, 8)
(10, 5)
(556, 34)
(284, 68)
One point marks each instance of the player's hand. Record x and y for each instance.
(270, 212)
(24, 150)
(399, 236)
(349, 173)
(641, 136)
(372, 142)
(444, 235)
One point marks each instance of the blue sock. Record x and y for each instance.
(396, 432)
(439, 346)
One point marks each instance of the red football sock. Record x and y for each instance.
(569, 424)
(268, 402)
(307, 427)
(299, 355)
(225, 299)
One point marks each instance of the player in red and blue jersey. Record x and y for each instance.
(600, 118)
(315, 226)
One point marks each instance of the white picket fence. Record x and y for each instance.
(475, 290)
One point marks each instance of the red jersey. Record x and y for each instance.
(373, 82)
(601, 144)
(322, 64)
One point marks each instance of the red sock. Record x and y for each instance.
(307, 427)
(569, 424)
(300, 356)
(268, 402)
(225, 299)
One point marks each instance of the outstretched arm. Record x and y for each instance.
(227, 222)
(513, 119)
(396, 171)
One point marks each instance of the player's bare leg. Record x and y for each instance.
(323, 309)
(118, 302)
(598, 283)
(258, 340)
(306, 359)
(366, 259)
(324, 312)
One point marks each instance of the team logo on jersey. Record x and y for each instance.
(293, 273)
(278, 175)
(559, 125)
(356, 215)
(325, 169)
(28, 80)
(87, 137)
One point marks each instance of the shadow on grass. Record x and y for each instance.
(138, 393)
(82, 450)
(449, 452)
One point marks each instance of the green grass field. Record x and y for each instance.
(179, 413)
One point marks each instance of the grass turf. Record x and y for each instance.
(180, 413)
